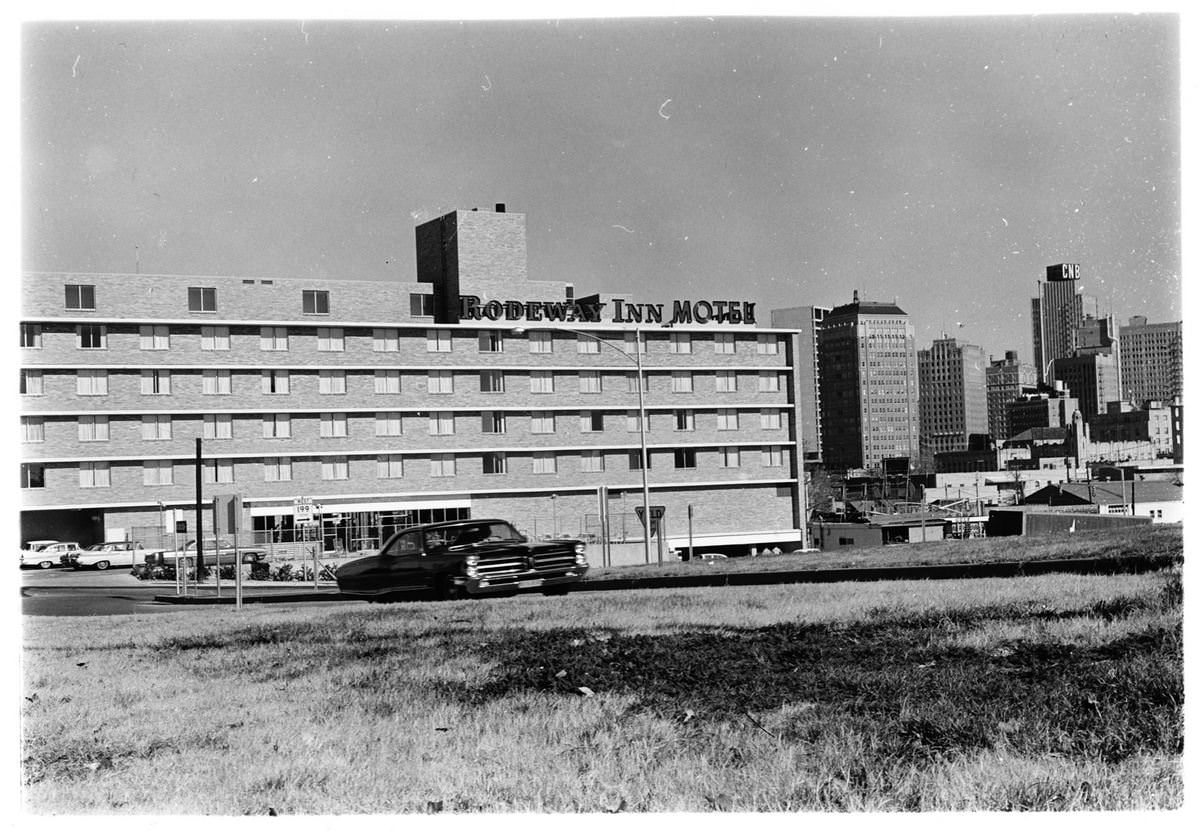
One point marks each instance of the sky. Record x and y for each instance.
(939, 162)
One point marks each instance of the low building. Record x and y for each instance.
(1161, 502)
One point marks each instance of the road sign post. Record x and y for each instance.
(657, 524)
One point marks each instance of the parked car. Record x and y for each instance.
(45, 553)
(464, 558)
(218, 550)
(107, 555)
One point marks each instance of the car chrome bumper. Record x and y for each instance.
(518, 582)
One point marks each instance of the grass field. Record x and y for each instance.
(1042, 693)
(1146, 540)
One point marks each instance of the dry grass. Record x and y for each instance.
(945, 695)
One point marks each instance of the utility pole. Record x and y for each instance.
(199, 514)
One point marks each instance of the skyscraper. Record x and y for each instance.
(1151, 360)
(1006, 380)
(953, 402)
(1056, 313)
(808, 320)
(868, 385)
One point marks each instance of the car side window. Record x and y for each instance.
(405, 545)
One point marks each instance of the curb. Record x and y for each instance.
(958, 571)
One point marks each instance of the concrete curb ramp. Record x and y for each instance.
(957, 571)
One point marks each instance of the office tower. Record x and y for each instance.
(953, 400)
(1056, 312)
(1007, 379)
(868, 384)
(1151, 360)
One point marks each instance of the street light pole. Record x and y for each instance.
(637, 360)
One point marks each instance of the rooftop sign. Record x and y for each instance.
(591, 310)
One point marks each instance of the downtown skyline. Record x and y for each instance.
(940, 163)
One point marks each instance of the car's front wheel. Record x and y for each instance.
(45, 564)
(103, 564)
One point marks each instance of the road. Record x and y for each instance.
(67, 592)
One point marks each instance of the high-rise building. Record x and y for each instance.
(807, 320)
(953, 400)
(1007, 379)
(1056, 313)
(1054, 408)
(1093, 379)
(868, 385)
(1151, 360)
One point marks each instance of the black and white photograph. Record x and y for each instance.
(634, 412)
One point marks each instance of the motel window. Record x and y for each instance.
(591, 461)
(586, 345)
(589, 381)
(591, 422)
(541, 423)
(541, 381)
(768, 345)
(31, 382)
(685, 457)
(91, 336)
(727, 419)
(331, 339)
(544, 462)
(93, 428)
(635, 460)
(81, 298)
(94, 475)
(491, 380)
(770, 419)
(276, 382)
(724, 343)
(273, 339)
(681, 382)
(94, 381)
(154, 338)
(33, 476)
(218, 426)
(387, 381)
(494, 463)
(438, 340)
(541, 343)
(202, 299)
(277, 470)
(633, 385)
(631, 421)
(334, 426)
(335, 468)
(768, 382)
(214, 338)
(216, 382)
(635, 342)
(277, 426)
(730, 457)
(156, 382)
(33, 429)
(389, 466)
(385, 340)
(491, 341)
(726, 380)
(441, 382)
(493, 422)
(420, 305)
(314, 302)
(772, 456)
(158, 472)
(332, 382)
(31, 336)
(441, 424)
(681, 343)
(389, 424)
(685, 420)
(441, 465)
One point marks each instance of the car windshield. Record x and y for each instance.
(97, 547)
(475, 533)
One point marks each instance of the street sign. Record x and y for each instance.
(656, 514)
(227, 513)
(303, 509)
(181, 526)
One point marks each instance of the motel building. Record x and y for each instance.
(474, 392)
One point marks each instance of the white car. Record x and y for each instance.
(108, 554)
(45, 553)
